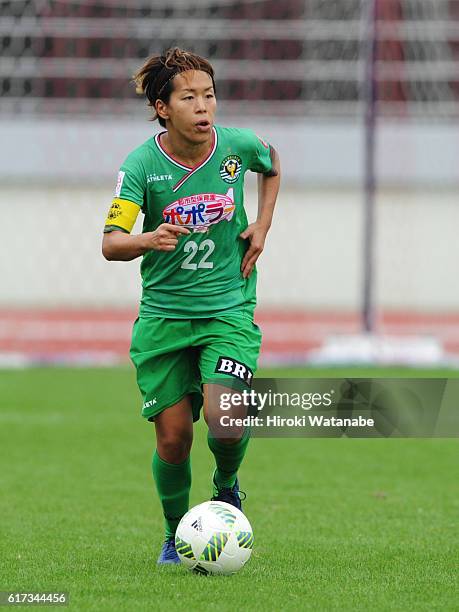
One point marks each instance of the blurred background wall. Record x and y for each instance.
(297, 72)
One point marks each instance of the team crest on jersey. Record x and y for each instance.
(230, 168)
(199, 212)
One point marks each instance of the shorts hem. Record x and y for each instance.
(229, 382)
(148, 415)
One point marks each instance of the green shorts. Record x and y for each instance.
(175, 357)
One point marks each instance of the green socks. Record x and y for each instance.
(228, 458)
(173, 482)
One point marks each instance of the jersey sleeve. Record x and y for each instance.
(262, 155)
(128, 197)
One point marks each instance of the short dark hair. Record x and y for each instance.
(154, 78)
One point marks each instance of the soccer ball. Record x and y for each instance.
(214, 538)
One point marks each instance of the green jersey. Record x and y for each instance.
(202, 277)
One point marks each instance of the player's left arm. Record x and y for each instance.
(268, 188)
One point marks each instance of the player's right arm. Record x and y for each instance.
(120, 246)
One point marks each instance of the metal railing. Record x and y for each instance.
(327, 72)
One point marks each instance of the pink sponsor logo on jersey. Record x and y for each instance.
(198, 212)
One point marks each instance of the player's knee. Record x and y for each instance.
(174, 448)
(226, 434)
(229, 431)
(230, 441)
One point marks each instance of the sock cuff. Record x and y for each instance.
(170, 466)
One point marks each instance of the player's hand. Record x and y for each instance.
(165, 237)
(257, 236)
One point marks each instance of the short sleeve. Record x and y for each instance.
(131, 183)
(128, 197)
(262, 157)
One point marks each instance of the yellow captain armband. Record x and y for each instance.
(122, 215)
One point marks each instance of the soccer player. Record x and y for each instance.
(195, 326)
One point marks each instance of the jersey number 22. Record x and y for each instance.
(191, 247)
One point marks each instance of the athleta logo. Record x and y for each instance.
(197, 524)
(200, 211)
(150, 403)
(226, 365)
(152, 178)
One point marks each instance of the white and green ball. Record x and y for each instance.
(214, 538)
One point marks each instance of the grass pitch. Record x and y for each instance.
(339, 524)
